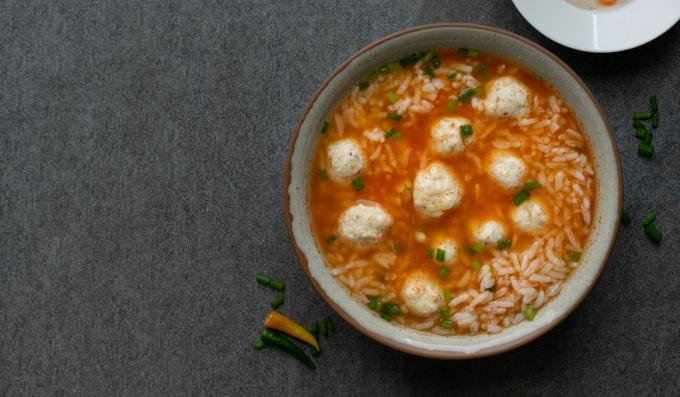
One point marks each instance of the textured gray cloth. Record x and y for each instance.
(142, 149)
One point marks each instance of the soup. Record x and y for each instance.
(452, 192)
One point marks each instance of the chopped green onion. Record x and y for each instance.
(259, 344)
(429, 253)
(444, 314)
(411, 59)
(374, 303)
(532, 185)
(466, 95)
(504, 244)
(428, 56)
(649, 219)
(479, 91)
(385, 316)
(391, 309)
(448, 295)
(443, 272)
(520, 197)
(472, 53)
(653, 233)
(435, 62)
(654, 103)
(463, 51)
(393, 116)
(625, 218)
(477, 247)
(392, 133)
(363, 85)
(574, 256)
(373, 75)
(358, 184)
(451, 75)
(642, 115)
(323, 175)
(648, 138)
(277, 285)
(641, 133)
(428, 71)
(453, 105)
(324, 127)
(645, 150)
(392, 97)
(262, 279)
(277, 301)
(446, 324)
(393, 66)
(530, 313)
(477, 265)
(441, 255)
(330, 239)
(466, 130)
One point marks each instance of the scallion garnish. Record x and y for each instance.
(358, 184)
(477, 265)
(330, 239)
(392, 97)
(642, 115)
(428, 56)
(323, 175)
(428, 71)
(477, 247)
(532, 185)
(451, 75)
(478, 91)
(504, 244)
(448, 295)
(373, 75)
(453, 105)
(443, 272)
(520, 197)
(393, 134)
(393, 66)
(324, 127)
(530, 313)
(625, 218)
(466, 95)
(472, 53)
(441, 255)
(435, 62)
(650, 218)
(393, 116)
(645, 150)
(466, 130)
(444, 314)
(574, 256)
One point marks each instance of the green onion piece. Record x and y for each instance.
(384, 70)
(385, 316)
(324, 127)
(428, 56)
(277, 301)
(645, 150)
(373, 75)
(530, 313)
(390, 132)
(448, 295)
(653, 233)
(446, 324)
(262, 279)
(466, 95)
(391, 309)
(330, 239)
(436, 62)
(363, 85)
(374, 303)
(648, 138)
(392, 97)
(463, 51)
(411, 59)
(654, 103)
(441, 255)
(638, 124)
(443, 272)
(478, 91)
(259, 344)
(504, 244)
(649, 219)
(574, 256)
(451, 75)
(453, 105)
(393, 66)
(428, 71)
(429, 253)
(477, 265)
(358, 184)
(625, 218)
(323, 175)
(444, 314)
(277, 285)
(642, 115)
(477, 247)
(323, 328)
(641, 133)
(466, 130)
(532, 185)
(473, 53)
(393, 116)
(520, 197)
(655, 119)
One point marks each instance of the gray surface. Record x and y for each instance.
(142, 150)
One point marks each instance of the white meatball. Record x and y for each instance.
(507, 98)
(450, 249)
(435, 190)
(422, 294)
(345, 159)
(489, 232)
(446, 138)
(507, 170)
(530, 216)
(364, 223)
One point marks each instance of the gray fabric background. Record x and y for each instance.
(142, 148)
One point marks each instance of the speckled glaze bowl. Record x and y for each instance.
(505, 44)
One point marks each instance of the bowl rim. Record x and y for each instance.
(419, 351)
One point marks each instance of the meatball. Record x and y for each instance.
(345, 159)
(507, 170)
(422, 294)
(364, 223)
(507, 98)
(446, 138)
(435, 190)
(489, 232)
(530, 216)
(450, 249)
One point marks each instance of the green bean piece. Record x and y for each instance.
(653, 233)
(277, 285)
(467, 94)
(650, 218)
(259, 344)
(641, 133)
(276, 339)
(642, 115)
(520, 197)
(277, 301)
(262, 279)
(645, 150)
(625, 218)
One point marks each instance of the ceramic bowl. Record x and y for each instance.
(505, 44)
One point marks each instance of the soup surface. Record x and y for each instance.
(452, 192)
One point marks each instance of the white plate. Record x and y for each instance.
(616, 28)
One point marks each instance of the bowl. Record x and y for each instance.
(508, 45)
(626, 25)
